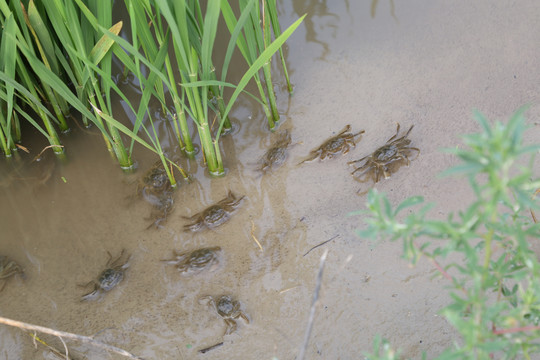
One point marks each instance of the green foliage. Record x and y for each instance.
(495, 288)
(382, 350)
(69, 44)
(253, 40)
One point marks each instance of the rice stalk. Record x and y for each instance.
(68, 46)
(26, 97)
(43, 42)
(245, 42)
(271, 9)
(179, 18)
(255, 38)
(8, 48)
(66, 19)
(142, 14)
(254, 68)
(16, 34)
(267, 39)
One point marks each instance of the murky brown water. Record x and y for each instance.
(429, 63)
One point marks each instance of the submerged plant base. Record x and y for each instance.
(218, 174)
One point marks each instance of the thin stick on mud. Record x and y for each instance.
(36, 339)
(321, 244)
(313, 305)
(205, 350)
(63, 334)
(253, 235)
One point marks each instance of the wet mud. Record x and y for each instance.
(424, 63)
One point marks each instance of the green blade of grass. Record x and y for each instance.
(58, 103)
(272, 11)
(43, 37)
(8, 52)
(104, 44)
(261, 60)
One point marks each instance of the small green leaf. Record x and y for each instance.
(412, 201)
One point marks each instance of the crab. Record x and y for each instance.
(193, 262)
(214, 215)
(163, 206)
(154, 181)
(340, 143)
(229, 309)
(110, 277)
(8, 268)
(377, 164)
(155, 187)
(277, 154)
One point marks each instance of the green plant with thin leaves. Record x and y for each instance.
(89, 65)
(18, 83)
(68, 45)
(44, 42)
(495, 290)
(254, 38)
(192, 37)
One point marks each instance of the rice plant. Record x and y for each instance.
(192, 35)
(17, 82)
(254, 39)
(69, 44)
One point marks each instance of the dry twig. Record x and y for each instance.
(205, 350)
(313, 305)
(321, 244)
(253, 235)
(63, 334)
(51, 349)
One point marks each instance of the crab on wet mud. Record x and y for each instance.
(277, 154)
(155, 188)
(340, 143)
(377, 164)
(228, 308)
(8, 268)
(214, 215)
(196, 261)
(110, 277)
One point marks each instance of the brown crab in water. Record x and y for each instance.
(377, 163)
(8, 268)
(340, 143)
(193, 262)
(154, 181)
(229, 309)
(110, 277)
(277, 154)
(214, 215)
(156, 189)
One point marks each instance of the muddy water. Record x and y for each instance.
(427, 63)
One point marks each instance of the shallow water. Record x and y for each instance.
(427, 63)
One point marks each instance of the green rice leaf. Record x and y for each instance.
(261, 60)
(236, 29)
(104, 44)
(209, 36)
(8, 57)
(43, 37)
